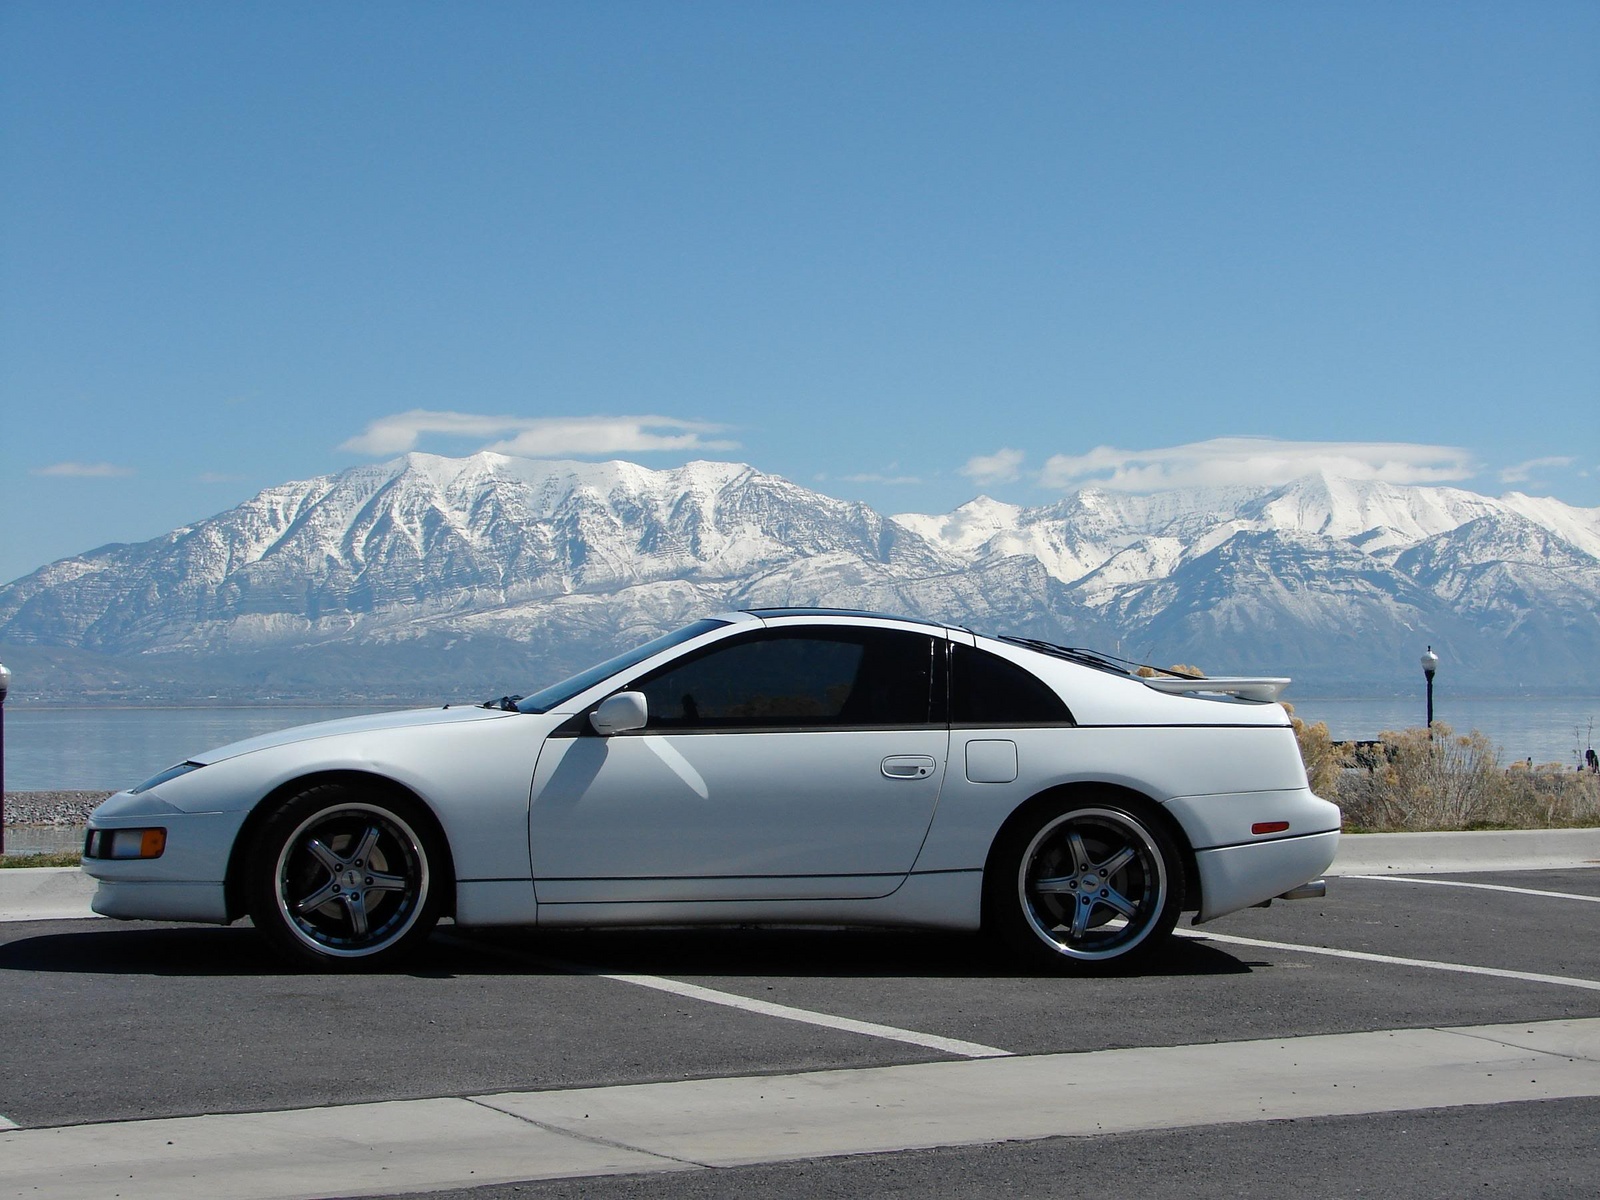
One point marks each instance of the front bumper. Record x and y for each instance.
(146, 900)
(186, 883)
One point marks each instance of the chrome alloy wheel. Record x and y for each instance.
(1092, 883)
(351, 880)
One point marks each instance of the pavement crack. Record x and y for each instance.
(1496, 1041)
(592, 1138)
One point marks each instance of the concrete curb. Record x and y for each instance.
(63, 893)
(1486, 850)
(498, 1138)
(44, 894)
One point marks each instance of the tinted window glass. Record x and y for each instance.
(557, 693)
(808, 678)
(985, 689)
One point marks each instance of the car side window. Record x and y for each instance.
(805, 678)
(986, 689)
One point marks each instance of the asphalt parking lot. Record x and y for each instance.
(110, 1021)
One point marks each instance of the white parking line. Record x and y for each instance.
(766, 1008)
(1592, 985)
(7, 1123)
(826, 1020)
(1484, 887)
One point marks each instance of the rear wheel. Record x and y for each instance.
(1082, 885)
(344, 877)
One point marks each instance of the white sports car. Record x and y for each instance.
(773, 765)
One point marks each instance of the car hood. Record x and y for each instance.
(406, 719)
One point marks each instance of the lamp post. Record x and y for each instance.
(1430, 664)
(5, 686)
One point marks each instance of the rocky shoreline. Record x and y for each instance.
(50, 808)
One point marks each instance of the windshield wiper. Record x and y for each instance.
(504, 704)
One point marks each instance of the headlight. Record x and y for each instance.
(165, 776)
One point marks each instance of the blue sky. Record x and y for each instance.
(899, 252)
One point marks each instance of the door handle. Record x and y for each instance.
(909, 766)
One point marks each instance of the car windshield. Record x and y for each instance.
(559, 693)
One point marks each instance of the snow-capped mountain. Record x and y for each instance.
(512, 570)
(1336, 579)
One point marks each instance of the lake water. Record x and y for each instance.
(94, 749)
(105, 749)
(1544, 728)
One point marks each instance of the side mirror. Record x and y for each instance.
(620, 713)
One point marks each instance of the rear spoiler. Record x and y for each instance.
(1246, 688)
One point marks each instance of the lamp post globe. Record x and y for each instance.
(1430, 664)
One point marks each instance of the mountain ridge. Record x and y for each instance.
(558, 563)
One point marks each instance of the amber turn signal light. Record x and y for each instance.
(125, 843)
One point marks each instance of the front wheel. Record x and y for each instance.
(341, 877)
(1084, 885)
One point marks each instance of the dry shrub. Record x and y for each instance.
(1448, 781)
(1548, 797)
(1181, 670)
(1324, 758)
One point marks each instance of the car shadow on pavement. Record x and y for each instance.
(698, 952)
(717, 952)
(188, 950)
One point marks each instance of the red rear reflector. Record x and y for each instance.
(1269, 827)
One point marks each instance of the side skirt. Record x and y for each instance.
(934, 900)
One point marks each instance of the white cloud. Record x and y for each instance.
(611, 435)
(1002, 466)
(1525, 471)
(540, 437)
(78, 470)
(400, 432)
(1255, 460)
(876, 477)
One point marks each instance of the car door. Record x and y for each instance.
(788, 763)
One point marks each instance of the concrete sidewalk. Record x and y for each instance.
(63, 893)
(471, 1141)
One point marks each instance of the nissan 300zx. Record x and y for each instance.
(765, 766)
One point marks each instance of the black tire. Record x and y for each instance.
(1084, 884)
(346, 878)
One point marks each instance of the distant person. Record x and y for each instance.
(1589, 757)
